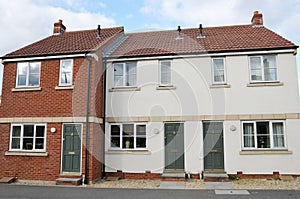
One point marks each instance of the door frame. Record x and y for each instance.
(62, 148)
(223, 127)
(184, 159)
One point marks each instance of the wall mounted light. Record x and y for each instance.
(53, 130)
(233, 128)
(156, 131)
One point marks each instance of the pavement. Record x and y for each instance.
(208, 185)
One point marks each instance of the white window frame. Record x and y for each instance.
(22, 137)
(124, 75)
(160, 73)
(27, 75)
(60, 73)
(213, 71)
(262, 69)
(270, 134)
(111, 147)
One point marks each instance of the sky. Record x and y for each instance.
(23, 22)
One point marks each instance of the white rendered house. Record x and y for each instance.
(217, 99)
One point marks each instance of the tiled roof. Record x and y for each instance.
(67, 43)
(217, 39)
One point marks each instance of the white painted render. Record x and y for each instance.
(193, 96)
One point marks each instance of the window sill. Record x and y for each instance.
(220, 86)
(26, 89)
(165, 88)
(124, 89)
(259, 84)
(64, 87)
(131, 152)
(21, 153)
(265, 152)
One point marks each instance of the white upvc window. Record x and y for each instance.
(218, 71)
(128, 136)
(264, 135)
(28, 137)
(66, 72)
(28, 74)
(263, 68)
(124, 74)
(165, 73)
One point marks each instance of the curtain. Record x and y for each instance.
(248, 135)
(278, 135)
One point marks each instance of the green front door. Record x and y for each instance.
(174, 146)
(71, 152)
(213, 146)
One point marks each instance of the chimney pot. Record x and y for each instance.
(257, 19)
(59, 28)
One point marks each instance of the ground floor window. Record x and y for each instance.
(128, 136)
(264, 135)
(28, 137)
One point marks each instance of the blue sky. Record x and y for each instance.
(25, 21)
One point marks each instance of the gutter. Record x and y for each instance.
(87, 125)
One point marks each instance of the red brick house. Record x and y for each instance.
(51, 97)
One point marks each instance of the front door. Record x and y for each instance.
(213, 146)
(71, 151)
(174, 146)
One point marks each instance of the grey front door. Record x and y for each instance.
(71, 152)
(213, 146)
(174, 146)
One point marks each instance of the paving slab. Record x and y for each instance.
(172, 185)
(218, 185)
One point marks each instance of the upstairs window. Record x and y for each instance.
(264, 135)
(66, 72)
(128, 136)
(125, 74)
(165, 73)
(263, 68)
(28, 74)
(219, 71)
(28, 137)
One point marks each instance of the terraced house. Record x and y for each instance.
(183, 103)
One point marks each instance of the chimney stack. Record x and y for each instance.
(59, 28)
(257, 19)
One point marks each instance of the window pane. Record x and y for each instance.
(115, 136)
(16, 131)
(65, 78)
(40, 131)
(141, 130)
(219, 76)
(34, 74)
(140, 142)
(34, 80)
(28, 130)
(22, 73)
(165, 72)
(39, 143)
(15, 143)
(255, 65)
(248, 130)
(278, 135)
(27, 143)
(118, 75)
(263, 135)
(66, 72)
(130, 74)
(128, 139)
(218, 64)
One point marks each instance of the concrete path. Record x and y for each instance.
(218, 185)
(172, 185)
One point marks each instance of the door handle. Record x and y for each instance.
(214, 151)
(71, 152)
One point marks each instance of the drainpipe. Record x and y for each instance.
(104, 118)
(87, 124)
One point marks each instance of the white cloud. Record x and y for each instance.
(23, 22)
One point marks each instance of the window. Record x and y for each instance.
(165, 73)
(125, 74)
(128, 136)
(66, 72)
(218, 69)
(263, 68)
(28, 74)
(28, 137)
(263, 135)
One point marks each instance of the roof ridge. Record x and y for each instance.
(87, 30)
